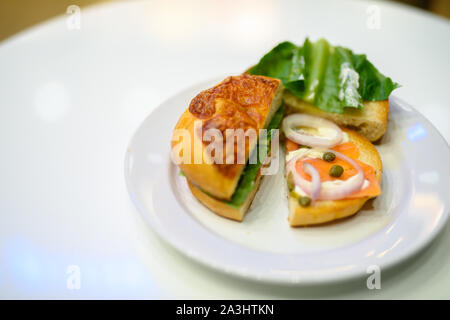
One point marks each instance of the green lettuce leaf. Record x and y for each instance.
(247, 180)
(285, 62)
(330, 77)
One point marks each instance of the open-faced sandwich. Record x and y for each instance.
(330, 171)
(334, 102)
(331, 82)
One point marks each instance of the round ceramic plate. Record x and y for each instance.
(411, 211)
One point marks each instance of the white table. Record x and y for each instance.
(70, 99)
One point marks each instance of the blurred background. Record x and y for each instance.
(18, 15)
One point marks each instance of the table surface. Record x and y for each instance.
(70, 100)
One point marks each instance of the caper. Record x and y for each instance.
(290, 181)
(328, 156)
(304, 201)
(336, 171)
(293, 194)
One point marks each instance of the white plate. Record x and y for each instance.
(411, 211)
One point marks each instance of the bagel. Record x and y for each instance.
(222, 208)
(322, 211)
(238, 102)
(369, 121)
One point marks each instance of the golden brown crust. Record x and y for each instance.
(245, 91)
(238, 102)
(222, 208)
(326, 211)
(230, 115)
(370, 121)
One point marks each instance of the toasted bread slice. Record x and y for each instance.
(222, 208)
(370, 121)
(238, 102)
(322, 211)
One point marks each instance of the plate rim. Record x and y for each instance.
(276, 278)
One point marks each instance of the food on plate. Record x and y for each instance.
(330, 171)
(331, 82)
(331, 102)
(369, 121)
(244, 102)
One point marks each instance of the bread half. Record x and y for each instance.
(222, 208)
(322, 211)
(370, 121)
(238, 102)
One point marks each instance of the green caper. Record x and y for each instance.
(290, 181)
(336, 171)
(328, 156)
(304, 201)
(293, 194)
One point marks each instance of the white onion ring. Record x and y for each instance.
(316, 183)
(326, 192)
(295, 120)
(311, 188)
